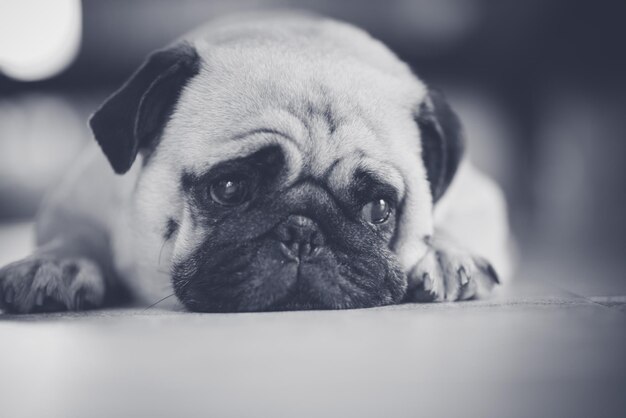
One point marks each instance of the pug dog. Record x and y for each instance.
(268, 162)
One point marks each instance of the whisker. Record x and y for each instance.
(161, 251)
(185, 284)
(158, 301)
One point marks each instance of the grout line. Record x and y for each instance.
(609, 299)
(611, 302)
(597, 300)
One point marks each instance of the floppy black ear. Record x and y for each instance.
(134, 116)
(443, 142)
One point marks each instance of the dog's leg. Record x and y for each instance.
(50, 281)
(470, 250)
(449, 273)
(71, 268)
(67, 272)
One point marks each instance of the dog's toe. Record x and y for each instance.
(450, 275)
(44, 283)
(426, 281)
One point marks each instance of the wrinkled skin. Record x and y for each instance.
(289, 246)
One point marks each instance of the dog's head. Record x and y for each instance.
(287, 166)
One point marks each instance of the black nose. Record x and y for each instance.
(300, 237)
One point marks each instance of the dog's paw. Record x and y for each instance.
(46, 283)
(449, 275)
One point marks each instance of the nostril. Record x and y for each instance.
(317, 240)
(290, 251)
(305, 250)
(293, 232)
(299, 237)
(284, 233)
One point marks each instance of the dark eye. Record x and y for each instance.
(376, 211)
(229, 191)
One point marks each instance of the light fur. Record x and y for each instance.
(275, 80)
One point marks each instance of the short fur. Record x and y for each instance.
(320, 119)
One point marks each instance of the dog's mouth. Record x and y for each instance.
(270, 275)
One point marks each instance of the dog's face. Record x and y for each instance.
(288, 168)
(270, 242)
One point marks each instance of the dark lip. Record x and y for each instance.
(289, 301)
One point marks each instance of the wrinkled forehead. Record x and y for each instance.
(329, 120)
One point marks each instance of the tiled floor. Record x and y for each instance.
(535, 349)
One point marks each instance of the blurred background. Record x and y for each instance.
(539, 85)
